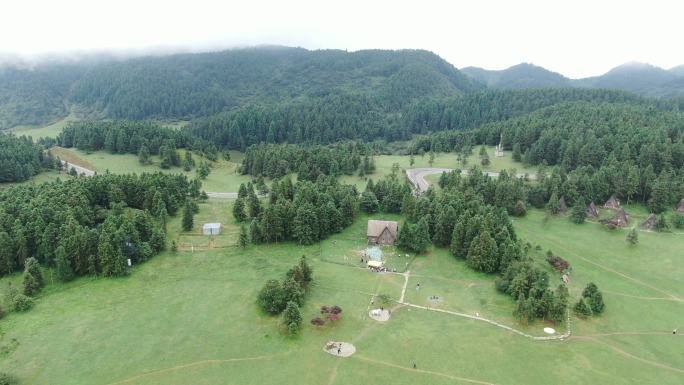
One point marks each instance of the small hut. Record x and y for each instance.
(592, 211)
(612, 203)
(562, 207)
(382, 232)
(680, 208)
(211, 229)
(651, 223)
(621, 219)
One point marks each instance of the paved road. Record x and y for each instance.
(417, 176)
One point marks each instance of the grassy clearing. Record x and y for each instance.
(47, 131)
(383, 165)
(224, 176)
(191, 318)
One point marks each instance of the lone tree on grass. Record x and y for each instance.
(188, 220)
(632, 237)
(33, 277)
(292, 318)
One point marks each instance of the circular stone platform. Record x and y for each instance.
(345, 349)
(549, 330)
(379, 315)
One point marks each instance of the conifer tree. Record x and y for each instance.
(239, 210)
(63, 267)
(33, 277)
(632, 237)
(188, 217)
(243, 240)
(292, 318)
(582, 309)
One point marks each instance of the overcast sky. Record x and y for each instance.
(576, 38)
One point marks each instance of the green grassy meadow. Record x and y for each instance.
(224, 176)
(45, 131)
(190, 317)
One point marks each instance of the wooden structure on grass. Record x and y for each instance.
(612, 203)
(680, 208)
(651, 223)
(562, 206)
(621, 219)
(592, 211)
(382, 232)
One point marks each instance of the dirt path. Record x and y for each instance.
(194, 364)
(422, 371)
(629, 355)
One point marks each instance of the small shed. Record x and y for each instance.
(211, 229)
(382, 232)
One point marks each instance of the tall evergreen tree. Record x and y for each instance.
(188, 217)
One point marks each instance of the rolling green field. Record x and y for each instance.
(224, 176)
(191, 317)
(47, 131)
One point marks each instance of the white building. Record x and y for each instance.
(211, 229)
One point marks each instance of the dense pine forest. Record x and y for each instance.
(21, 159)
(634, 151)
(87, 225)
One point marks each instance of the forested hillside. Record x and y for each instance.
(640, 78)
(523, 75)
(194, 85)
(35, 96)
(347, 116)
(600, 149)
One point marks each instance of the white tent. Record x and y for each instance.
(376, 264)
(211, 229)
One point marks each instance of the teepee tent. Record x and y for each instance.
(562, 207)
(612, 203)
(592, 211)
(651, 223)
(680, 208)
(621, 218)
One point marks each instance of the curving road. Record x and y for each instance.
(417, 176)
